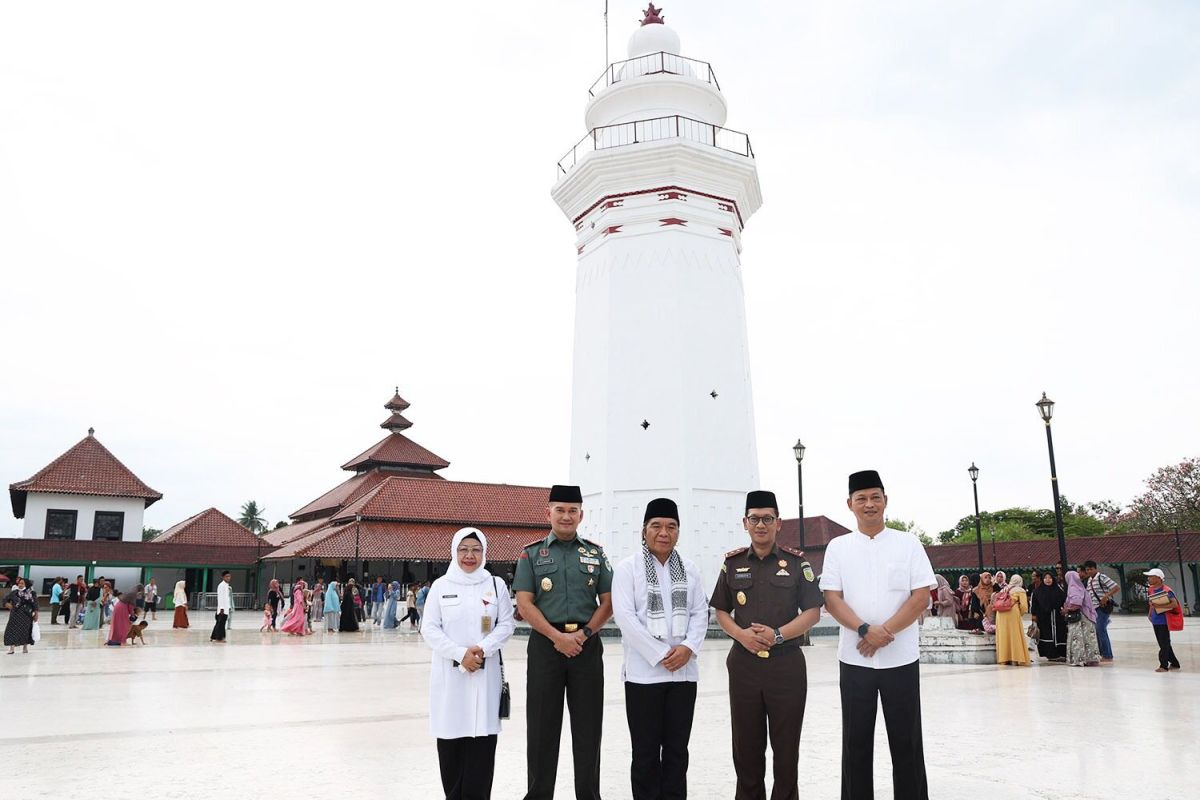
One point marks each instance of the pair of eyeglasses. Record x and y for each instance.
(462, 551)
(756, 521)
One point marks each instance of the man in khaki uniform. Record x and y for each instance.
(766, 598)
(563, 585)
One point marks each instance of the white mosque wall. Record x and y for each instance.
(86, 506)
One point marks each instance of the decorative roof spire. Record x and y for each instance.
(91, 431)
(653, 16)
(397, 403)
(396, 422)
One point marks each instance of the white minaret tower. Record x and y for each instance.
(658, 192)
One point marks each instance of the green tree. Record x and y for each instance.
(283, 523)
(1012, 524)
(149, 533)
(252, 518)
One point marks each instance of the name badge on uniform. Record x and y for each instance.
(595, 562)
(543, 561)
(485, 624)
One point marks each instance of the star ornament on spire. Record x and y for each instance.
(653, 16)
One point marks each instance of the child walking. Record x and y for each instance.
(267, 626)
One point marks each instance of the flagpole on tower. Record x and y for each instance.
(606, 34)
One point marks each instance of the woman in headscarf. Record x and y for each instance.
(333, 607)
(1011, 647)
(318, 602)
(1048, 599)
(389, 609)
(981, 599)
(275, 597)
(106, 602)
(1083, 649)
(91, 616)
(181, 604)
(296, 621)
(962, 608)
(124, 612)
(349, 620)
(999, 580)
(468, 618)
(945, 605)
(23, 612)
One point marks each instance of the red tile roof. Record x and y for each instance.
(345, 492)
(87, 468)
(397, 403)
(1133, 548)
(79, 552)
(818, 532)
(395, 422)
(452, 502)
(403, 541)
(396, 449)
(290, 533)
(209, 527)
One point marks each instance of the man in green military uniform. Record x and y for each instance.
(766, 598)
(563, 585)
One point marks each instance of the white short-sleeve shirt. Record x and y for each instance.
(876, 575)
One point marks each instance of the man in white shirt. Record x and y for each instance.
(876, 582)
(224, 605)
(660, 607)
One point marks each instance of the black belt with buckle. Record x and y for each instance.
(787, 648)
(569, 627)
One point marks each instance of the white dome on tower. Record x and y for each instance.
(654, 36)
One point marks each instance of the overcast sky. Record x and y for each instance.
(228, 229)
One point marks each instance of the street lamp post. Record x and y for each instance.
(357, 522)
(1045, 408)
(1182, 577)
(995, 562)
(973, 471)
(798, 451)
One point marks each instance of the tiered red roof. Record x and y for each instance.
(396, 422)
(289, 533)
(397, 403)
(87, 468)
(209, 527)
(818, 532)
(401, 540)
(451, 502)
(396, 450)
(345, 492)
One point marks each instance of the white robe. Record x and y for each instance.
(461, 703)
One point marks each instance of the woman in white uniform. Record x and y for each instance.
(468, 618)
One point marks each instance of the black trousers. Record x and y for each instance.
(660, 726)
(1166, 653)
(467, 766)
(550, 673)
(899, 690)
(218, 634)
(766, 698)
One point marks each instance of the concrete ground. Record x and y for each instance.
(278, 717)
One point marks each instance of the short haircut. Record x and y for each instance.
(224, 573)
(1089, 565)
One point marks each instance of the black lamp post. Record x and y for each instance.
(1182, 577)
(1045, 408)
(995, 563)
(973, 471)
(798, 451)
(357, 522)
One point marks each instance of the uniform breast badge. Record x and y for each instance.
(782, 562)
(741, 598)
(547, 584)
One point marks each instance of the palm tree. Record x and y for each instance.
(252, 517)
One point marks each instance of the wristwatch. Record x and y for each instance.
(778, 637)
(862, 629)
(588, 632)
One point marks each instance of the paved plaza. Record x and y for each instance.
(332, 714)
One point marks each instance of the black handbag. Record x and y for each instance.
(505, 695)
(1073, 617)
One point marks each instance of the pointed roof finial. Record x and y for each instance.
(397, 403)
(91, 431)
(653, 16)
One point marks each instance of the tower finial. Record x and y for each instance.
(653, 16)
(91, 431)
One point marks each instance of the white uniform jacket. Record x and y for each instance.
(461, 703)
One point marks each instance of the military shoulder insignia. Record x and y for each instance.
(792, 550)
(595, 548)
(736, 552)
(534, 543)
(808, 571)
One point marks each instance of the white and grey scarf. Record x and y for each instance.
(656, 616)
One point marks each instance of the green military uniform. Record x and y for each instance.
(566, 579)
(767, 690)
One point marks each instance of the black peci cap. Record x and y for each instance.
(565, 494)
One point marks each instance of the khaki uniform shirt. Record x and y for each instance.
(771, 591)
(566, 578)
